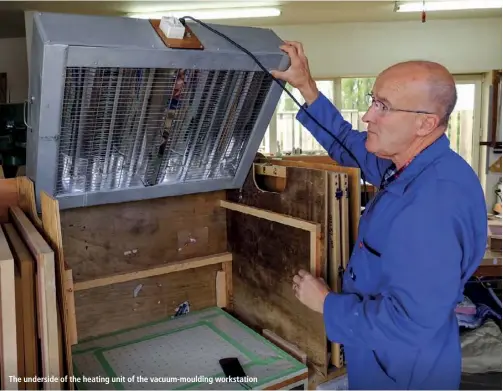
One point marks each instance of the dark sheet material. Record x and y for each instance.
(481, 381)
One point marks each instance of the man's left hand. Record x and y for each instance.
(311, 291)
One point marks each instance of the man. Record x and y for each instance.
(421, 237)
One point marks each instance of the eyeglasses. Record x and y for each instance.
(380, 107)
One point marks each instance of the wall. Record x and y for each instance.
(365, 49)
(13, 61)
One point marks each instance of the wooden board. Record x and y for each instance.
(189, 41)
(8, 332)
(266, 256)
(52, 228)
(21, 373)
(26, 302)
(48, 317)
(114, 307)
(105, 240)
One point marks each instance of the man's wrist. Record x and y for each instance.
(309, 92)
(325, 295)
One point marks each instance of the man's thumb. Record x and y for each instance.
(278, 74)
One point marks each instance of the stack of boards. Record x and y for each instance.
(292, 214)
(32, 350)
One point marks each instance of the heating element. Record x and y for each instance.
(115, 115)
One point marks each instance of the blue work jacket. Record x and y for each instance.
(419, 241)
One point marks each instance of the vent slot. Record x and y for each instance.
(125, 127)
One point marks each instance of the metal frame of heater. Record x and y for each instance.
(63, 40)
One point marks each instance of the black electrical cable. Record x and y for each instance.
(301, 107)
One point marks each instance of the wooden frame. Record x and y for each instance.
(313, 229)
(8, 316)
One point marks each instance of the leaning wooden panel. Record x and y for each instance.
(27, 301)
(266, 255)
(8, 334)
(304, 196)
(354, 183)
(46, 295)
(314, 230)
(19, 328)
(52, 228)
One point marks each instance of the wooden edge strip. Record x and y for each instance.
(272, 216)
(270, 170)
(70, 308)
(227, 269)
(26, 194)
(286, 384)
(288, 347)
(185, 264)
(221, 289)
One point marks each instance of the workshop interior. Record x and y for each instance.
(157, 191)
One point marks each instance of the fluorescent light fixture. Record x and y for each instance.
(235, 13)
(417, 6)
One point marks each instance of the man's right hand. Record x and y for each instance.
(298, 74)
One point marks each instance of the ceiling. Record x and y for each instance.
(292, 12)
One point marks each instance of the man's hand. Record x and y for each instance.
(310, 291)
(298, 74)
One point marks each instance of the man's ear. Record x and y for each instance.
(427, 124)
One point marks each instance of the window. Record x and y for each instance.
(354, 102)
(285, 135)
(464, 125)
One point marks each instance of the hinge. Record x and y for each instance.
(49, 138)
(339, 193)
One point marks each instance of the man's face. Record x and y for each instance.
(392, 132)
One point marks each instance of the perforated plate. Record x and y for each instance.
(189, 346)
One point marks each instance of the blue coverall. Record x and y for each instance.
(419, 241)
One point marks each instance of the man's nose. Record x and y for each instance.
(368, 116)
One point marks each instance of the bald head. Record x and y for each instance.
(433, 83)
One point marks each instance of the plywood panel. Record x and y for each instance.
(304, 196)
(104, 240)
(114, 307)
(266, 256)
(8, 332)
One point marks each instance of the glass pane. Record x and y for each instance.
(460, 129)
(354, 103)
(292, 138)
